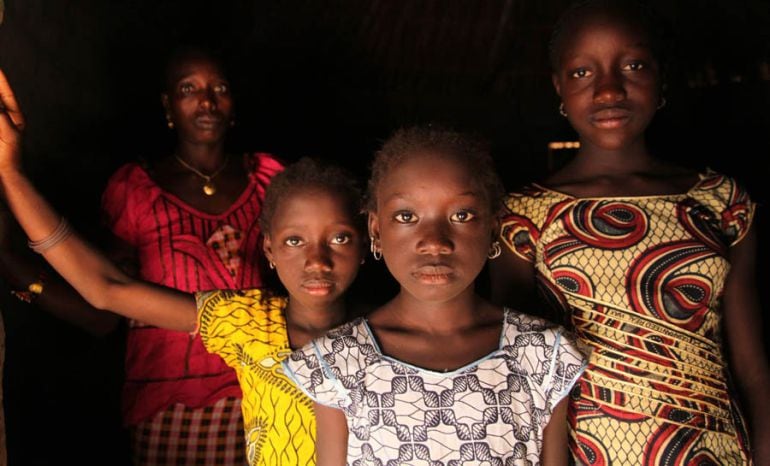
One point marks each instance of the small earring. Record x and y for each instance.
(495, 250)
(271, 264)
(662, 102)
(232, 122)
(169, 121)
(562, 112)
(375, 250)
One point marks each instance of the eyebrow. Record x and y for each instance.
(397, 195)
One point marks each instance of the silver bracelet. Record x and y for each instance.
(61, 233)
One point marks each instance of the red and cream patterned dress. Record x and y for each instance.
(171, 372)
(641, 280)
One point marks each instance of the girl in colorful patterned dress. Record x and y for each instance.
(313, 239)
(646, 260)
(438, 376)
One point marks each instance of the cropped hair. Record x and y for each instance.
(473, 152)
(309, 173)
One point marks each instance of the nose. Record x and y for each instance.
(318, 258)
(609, 88)
(209, 99)
(435, 239)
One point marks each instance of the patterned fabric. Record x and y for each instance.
(492, 411)
(248, 330)
(188, 250)
(641, 279)
(182, 436)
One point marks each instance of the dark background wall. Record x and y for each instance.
(330, 78)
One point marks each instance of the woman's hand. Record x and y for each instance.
(11, 127)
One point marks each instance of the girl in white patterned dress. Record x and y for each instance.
(438, 376)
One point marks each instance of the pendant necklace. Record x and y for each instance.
(209, 188)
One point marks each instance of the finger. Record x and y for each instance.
(9, 103)
(9, 130)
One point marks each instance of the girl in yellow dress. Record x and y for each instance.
(312, 238)
(653, 265)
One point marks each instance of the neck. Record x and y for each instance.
(315, 320)
(207, 158)
(598, 161)
(445, 317)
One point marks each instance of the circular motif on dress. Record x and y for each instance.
(674, 444)
(573, 280)
(520, 234)
(661, 283)
(607, 224)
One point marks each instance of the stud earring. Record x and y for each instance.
(495, 250)
(169, 121)
(562, 112)
(376, 252)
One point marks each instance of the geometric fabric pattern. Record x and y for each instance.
(247, 329)
(640, 279)
(492, 411)
(226, 242)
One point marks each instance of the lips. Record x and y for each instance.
(434, 274)
(318, 286)
(208, 121)
(612, 117)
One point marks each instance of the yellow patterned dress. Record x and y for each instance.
(641, 280)
(248, 330)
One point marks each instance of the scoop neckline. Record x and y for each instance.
(701, 177)
(181, 203)
(449, 373)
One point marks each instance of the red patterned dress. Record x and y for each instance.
(641, 279)
(181, 402)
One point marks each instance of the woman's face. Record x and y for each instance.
(315, 245)
(434, 226)
(198, 101)
(609, 82)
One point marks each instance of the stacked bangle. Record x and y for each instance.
(61, 233)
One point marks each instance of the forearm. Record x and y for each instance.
(99, 282)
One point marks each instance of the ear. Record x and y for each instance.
(164, 102)
(374, 226)
(496, 228)
(556, 85)
(267, 247)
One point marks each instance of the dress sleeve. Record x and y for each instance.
(329, 369)
(127, 197)
(519, 224)
(549, 356)
(262, 168)
(231, 322)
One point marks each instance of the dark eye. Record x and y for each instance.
(293, 241)
(341, 238)
(635, 66)
(222, 88)
(580, 73)
(405, 217)
(462, 216)
(186, 88)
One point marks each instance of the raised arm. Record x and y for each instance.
(748, 361)
(101, 283)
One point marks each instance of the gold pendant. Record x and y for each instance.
(209, 189)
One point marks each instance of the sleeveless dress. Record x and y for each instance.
(181, 402)
(640, 279)
(492, 411)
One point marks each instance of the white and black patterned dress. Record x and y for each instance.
(492, 411)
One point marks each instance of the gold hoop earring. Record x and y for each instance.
(271, 264)
(662, 103)
(495, 250)
(169, 121)
(562, 112)
(376, 252)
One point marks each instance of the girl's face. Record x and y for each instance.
(315, 246)
(198, 101)
(609, 82)
(434, 226)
